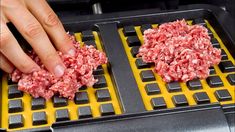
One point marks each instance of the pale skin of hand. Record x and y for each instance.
(38, 24)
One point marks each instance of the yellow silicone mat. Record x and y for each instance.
(164, 93)
(27, 112)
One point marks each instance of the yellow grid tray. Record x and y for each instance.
(185, 90)
(50, 109)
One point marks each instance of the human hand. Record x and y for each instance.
(38, 24)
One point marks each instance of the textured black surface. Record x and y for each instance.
(226, 66)
(199, 21)
(158, 103)
(62, 115)
(9, 81)
(59, 101)
(147, 75)
(102, 95)
(38, 103)
(224, 56)
(81, 98)
(173, 87)
(129, 30)
(152, 89)
(210, 33)
(194, 84)
(141, 64)
(90, 42)
(16, 121)
(39, 118)
(84, 112)
(15, 106)
(2, 129)
(135, 50)
(214, 40)
(13, 91)
(231, 79)
(106, 109)
(83, 87)
(201, 98)
(133, 41)
(223, 95)
(101, 81)
(180, 100)
(87, 35)
(145, 27)
(98, 71)
(214, 81)
(212, 70)
(215, 43)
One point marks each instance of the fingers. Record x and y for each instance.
(10, 48)
(5, 64)
(49, 20)
(33, 32)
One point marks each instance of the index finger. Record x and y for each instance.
(52, 25)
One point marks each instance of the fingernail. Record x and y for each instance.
(71, 52)
(59, 70)
(36, 68)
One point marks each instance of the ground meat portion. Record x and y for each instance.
(180, 52)
(78, 73)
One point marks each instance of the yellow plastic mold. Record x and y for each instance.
(50, 109)
(185, 90)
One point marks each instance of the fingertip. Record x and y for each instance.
(35, 68)
(65, 45)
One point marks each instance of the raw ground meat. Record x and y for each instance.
(180, 52)
(78, 73)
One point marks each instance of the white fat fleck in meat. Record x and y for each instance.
(177, 47)
(195, 61)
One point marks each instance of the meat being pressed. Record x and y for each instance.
(180, 52)
(78, 73)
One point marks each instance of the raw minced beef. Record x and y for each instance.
(180, 52)
(78, 73)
